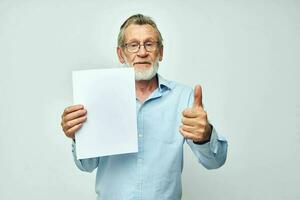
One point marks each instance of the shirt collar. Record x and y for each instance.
(163, 84)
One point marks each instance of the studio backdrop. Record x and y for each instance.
(244, 54)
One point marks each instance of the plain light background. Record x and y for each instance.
(245, 54)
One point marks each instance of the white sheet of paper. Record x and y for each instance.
(109, 97)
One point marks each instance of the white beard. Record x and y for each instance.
(145, 74)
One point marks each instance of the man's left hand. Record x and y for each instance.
(195, 124)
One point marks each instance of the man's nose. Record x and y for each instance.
(142, 51)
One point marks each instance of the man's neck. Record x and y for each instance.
(144, 89)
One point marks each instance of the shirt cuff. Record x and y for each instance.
(211, 145)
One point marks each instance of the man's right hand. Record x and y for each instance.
(72, 119)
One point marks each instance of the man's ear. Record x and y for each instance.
(120, 55)
(161, 53)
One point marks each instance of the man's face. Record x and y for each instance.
(143, 61)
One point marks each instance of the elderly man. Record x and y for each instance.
(168, 115)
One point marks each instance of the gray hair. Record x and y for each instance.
(138, 19)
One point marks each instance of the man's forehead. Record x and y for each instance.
(140, 32)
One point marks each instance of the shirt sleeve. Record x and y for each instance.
(87, 165)
(212, 154)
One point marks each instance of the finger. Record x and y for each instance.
(187, 128)
(197, 96)
(192, 136)
(71, 132)
(189, 121)
(74, 122)
(72, 109)
(74, 115)
(190, 113)
(187, 134)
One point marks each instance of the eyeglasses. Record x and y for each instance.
(134, 47)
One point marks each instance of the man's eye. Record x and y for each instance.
(149, 44)
(133, 45)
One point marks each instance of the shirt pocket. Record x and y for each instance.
(162, 127)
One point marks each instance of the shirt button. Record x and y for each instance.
(140, 135)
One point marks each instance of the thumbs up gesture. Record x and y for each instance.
(195, 124)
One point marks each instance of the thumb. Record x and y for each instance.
(197, 96)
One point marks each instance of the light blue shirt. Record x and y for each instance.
(155, 171)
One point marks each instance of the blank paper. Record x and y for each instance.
(109, 97)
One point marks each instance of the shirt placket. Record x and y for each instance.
(140, 155)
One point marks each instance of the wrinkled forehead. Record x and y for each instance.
(140, 33)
